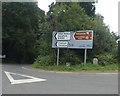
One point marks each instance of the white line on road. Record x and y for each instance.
(108, 73)
(13, 81)
(25, 68)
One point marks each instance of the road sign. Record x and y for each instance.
(74, 39)
(77, 40)
(62, 35)
(82, 35)
(62, 44)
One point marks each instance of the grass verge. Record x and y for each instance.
(86, 67)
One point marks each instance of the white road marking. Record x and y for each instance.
(108, 73)
(13, 81)
(25, 68)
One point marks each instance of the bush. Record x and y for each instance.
(107, 58)
(69, 56)
(45, 60)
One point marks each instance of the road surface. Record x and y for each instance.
(56, 82)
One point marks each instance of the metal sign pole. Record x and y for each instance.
(57, 56)
(118, 50)
(85, 56)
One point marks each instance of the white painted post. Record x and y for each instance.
(57, 56)
(85, 56)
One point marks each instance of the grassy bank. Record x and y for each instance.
(87, 67)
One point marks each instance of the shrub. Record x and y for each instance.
(45, 60)
(70, 57)
(106, 58)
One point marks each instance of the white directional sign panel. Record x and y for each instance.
(74, 39)
(62, 44)
(62, 36)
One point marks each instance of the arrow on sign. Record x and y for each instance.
(62, 44)
(62, 36)
(30, 80)
(55, 36)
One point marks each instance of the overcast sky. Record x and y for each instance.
(107, 8)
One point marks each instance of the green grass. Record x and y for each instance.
(86, 67)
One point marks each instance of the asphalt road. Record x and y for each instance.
(58, 82)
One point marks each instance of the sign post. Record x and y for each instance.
(57, 56)
(118, 50)
(85, 56)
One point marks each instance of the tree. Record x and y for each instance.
(62, 17)
(103, 39)
(72, 17)
(89, 8)
(21, 22)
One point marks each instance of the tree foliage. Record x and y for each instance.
(27, 32)
(21, 22)
(76, 16)
(104, 41)
(89, 8)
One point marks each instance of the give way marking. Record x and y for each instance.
(13, 81)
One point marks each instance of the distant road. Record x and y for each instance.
(56, 82)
